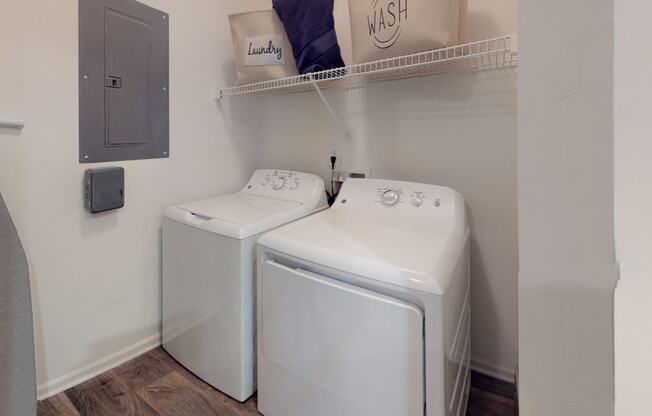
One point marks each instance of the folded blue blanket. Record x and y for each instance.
(311, 28)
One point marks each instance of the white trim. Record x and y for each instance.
(492, 370)
(102, 365)
(97, 367)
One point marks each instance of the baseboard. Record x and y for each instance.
(489, 369)
(97, 367)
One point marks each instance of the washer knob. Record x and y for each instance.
(417, 201)
(278, 183)
(390, 198)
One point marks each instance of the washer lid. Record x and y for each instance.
(271, 198)
(238, 208)
(238, 215)
(415, 247)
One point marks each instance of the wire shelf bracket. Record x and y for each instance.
(338, 123)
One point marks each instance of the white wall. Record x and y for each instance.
(633, 197)
(96, 279)
(566, 238)
(454, 130)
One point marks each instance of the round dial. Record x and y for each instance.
(278, 183)
(390, 198)
(417, 200)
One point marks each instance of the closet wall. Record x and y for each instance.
(456, 130)
(96, 279)
(633, 204)
(566, 207)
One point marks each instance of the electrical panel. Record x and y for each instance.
(123, 81)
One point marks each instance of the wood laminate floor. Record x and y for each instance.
(154, 384)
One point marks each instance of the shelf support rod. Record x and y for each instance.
(12, 124)
(334, 116)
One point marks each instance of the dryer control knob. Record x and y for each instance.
(278, 183)
(390, 198)
(417, 201)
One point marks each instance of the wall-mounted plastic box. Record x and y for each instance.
(104, 189)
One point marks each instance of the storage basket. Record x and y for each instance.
(388, 28)
(261, 47)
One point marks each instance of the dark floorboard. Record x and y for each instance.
(58, 405)
(108, 395)
(154, 384)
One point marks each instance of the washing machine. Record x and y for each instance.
(208, 273)
(363, 308)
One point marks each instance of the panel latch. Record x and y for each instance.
(113, 82)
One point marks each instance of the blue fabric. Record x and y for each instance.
(311, 28)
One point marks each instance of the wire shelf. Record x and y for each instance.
(496, 53)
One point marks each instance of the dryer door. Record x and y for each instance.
(329, 348)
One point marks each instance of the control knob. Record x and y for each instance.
(417, 200)
(278, 183)
(390, 198)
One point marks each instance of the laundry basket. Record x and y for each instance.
(387, 28)
(261, 47)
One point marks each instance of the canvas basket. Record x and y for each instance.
(261, 47)
(388, 28)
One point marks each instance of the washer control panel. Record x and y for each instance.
(282, 180)
(284, 184)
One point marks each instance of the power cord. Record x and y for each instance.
(331, 196)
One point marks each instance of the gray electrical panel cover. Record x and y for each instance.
(123, 81)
